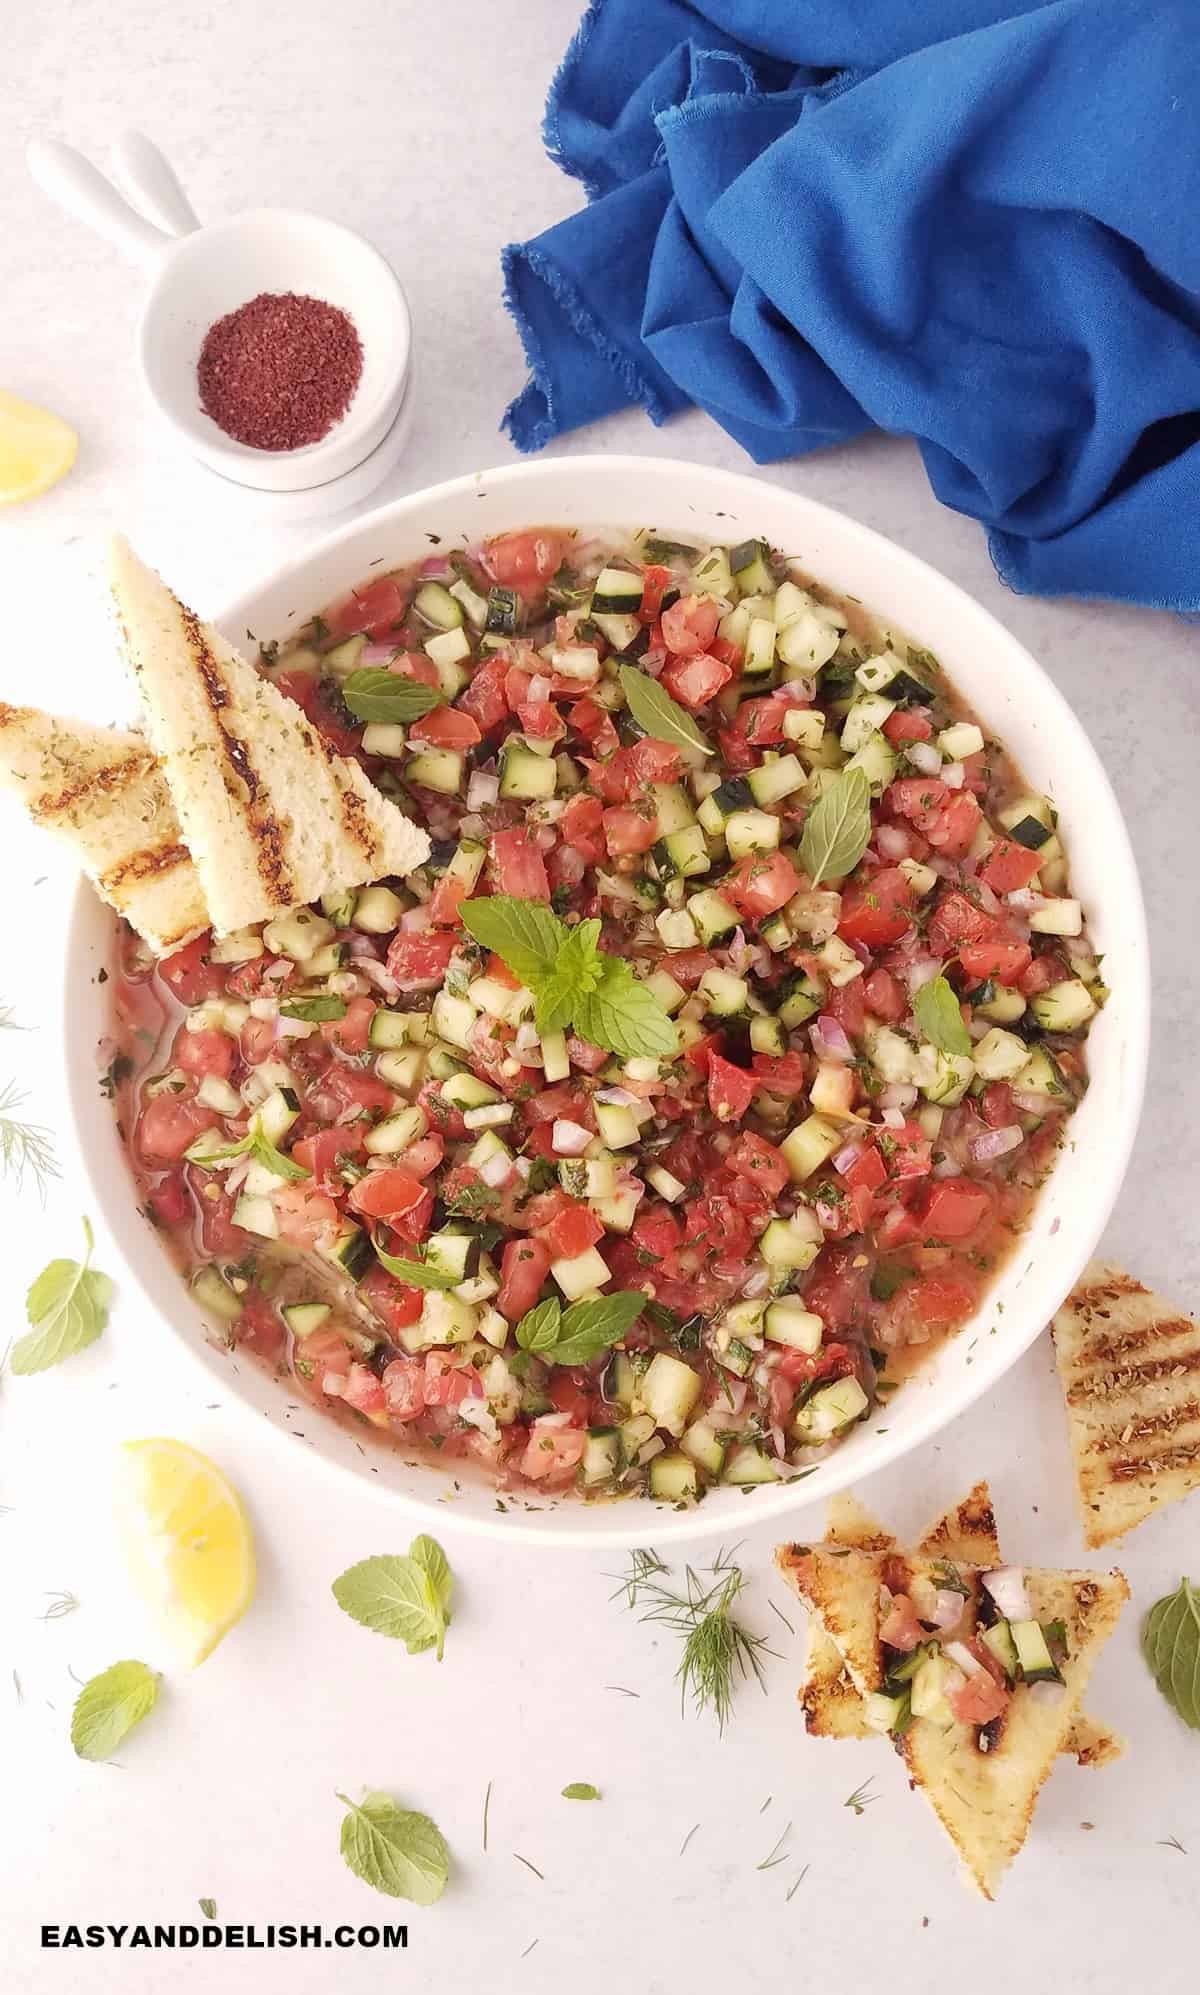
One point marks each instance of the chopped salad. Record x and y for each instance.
(696, 1085)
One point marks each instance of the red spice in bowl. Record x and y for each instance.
(280, 371)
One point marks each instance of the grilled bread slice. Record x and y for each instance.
(103, 793)
(271, 815)
(1129, 1362)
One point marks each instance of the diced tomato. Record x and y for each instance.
(552, 1454)
(517, 681)
(690, 625)
(928, 1304)
(498, 969)
(1007, 962)
(484, 698)
(760, 884)
(445, 903)
(952, 1209)
(448, 1381)
(588, 1058)
(572, 1232)
(907, 725)
(415, 665)
(907, 1151)
(782, 1074)
(257, 1040)
(393, 1302)
(896, 1228)
(900, 1628)
(884, 996)
(446, 727)
(418, 959)
(205, 1052)
(727, 652)
(1010, 866)
(422, 1158)
(169, 1200)
(952, 830)
(343, 1088)
(364, 1393)
(168, 1125)
(628, 831)
(260, 1328)
(837, 1290)
(655, 583)
(760, 722)
(379, 609)
(594, 723)
(387, 1194)
(219, 1236)
(730, 1089)
(996, 1104)
(737, 754)
(916, 797)
(525, 561)
(695, 681)
(958, 919)
(517, 865)
(687, 966)
(316, 699)
(979, 1699)
(540, 721)
(868, 1169)
(323, 1355)
(581, 825)
(320, 1154)
(188, 972)
(847, 1003)
(654, 761)
(404, 1389)
(351, 1031)
(307, 1217)
(1041, 973)
(701, 1051)
(760, 1162)
(879, 910)
(524, 1266)
(656, 1230)
(560, 1100)
(570, 1397)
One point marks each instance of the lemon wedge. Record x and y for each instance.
(36, 449)
(188, 1543)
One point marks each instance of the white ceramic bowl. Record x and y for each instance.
(1016, 701)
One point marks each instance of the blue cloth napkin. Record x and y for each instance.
(968, 221)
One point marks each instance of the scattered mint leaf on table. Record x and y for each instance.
(1171, 1646)
(67, 1307)
(581, 1790)
(109, 1706)
(394, 1850)
(406, 1598)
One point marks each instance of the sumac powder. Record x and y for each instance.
(280, 371)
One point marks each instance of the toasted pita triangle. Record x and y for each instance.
(273, 818)
(1129, 1362)
(103, 794)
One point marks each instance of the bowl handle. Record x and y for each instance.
(71, 180)
(149, 179)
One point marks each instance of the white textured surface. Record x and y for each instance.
(427, 141)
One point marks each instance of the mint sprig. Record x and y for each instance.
(577, 1335)
(939, 1015)
(407, 1598)
(67, 1307)
(574, 982)
(374, 693)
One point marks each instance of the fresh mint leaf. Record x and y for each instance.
(657, 714)
(109, 1706)
(375, 693)
(314, 1009)
(578, 971)
(939, 1015)
(581, 1790)
(406, 1598)
(417, 1274)
(837, 829)
(265, 1153)
(524, 933)
(1171, 1646)
(67, 1307)
(624, 1016)
(393, 1850)
(538, 1328)
(588, 1328)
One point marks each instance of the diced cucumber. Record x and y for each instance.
(602, 1457)
(788, 1243)
(1041, 1076)
(1030, 820)
(617, 1124)
(789, 1322)
(675, 813)
(802, 999)
(617, 592)
(960, 739)
(445, 1319)
(712, 576)
(350, 1250)
(877, 760)
(809, 1145)
(684, 854)
(704, 1446)
(449, 1251)
(214, 1092)
(298, 934)
(256, 1215)
(663, 986)
(449, 648)
(474, 605)
(468, 862)
(767, 1035)
(928, 1692)
(302, 1318)
(577, 661)
(999, 1055)
(403, 1070)
(711, 914)
(674, 1478)
(621, 1381)
(453, 1018)
(922, 879)
(323, 962)
(588, 1177)
(882, 1713)
(339, 906)
(524, 774)
(725, 995)
(489, 995)
(721, 803)
(750, 566)
(437, 606)
(492, 1115)
(999, 1639)
(750, 831)
(831, 1090)
(1005, 1005)
(840, 962)
(875, 674)
(865, 718)
(1065, 1007)
(1036, 1663)
(276, 1114)
(383, 737)
(437, 769)
(830, 1408)
(396, 1132)
(805, 726)
(581, 1273)
(215, 1295)
(468, 1091)
(665, 1183)
(676, 929)
(638, 1439)
(556, 1061)
(668, 1391)
(776, 780)
(953, 1073)
(1057, 917)
(758, 662)
(342, 659)
(242, 945)
(747, 1465)
(388, 1029)
(622, 632)
(503, 612)
(378, 910)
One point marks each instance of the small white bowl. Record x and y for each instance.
(1017, 703)
(202, 273)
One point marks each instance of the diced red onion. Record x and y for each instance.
(378, 977)
(947, 1608)
(360, 945)
(570, 1139)
(1007, 1588)
(538, 690)
(925, 757)
(830, 1040)
(526, 1041)
(471, 827)
(958, 1652)
(893, 1118)
(236, 1174)
(946, 869)
(898, 1094)
(376, 653)
(892, 841)
(844, 1159)
(922, 972)
(739, 949)
(1037, 1104)
(997, 1143)
(757, 1282)
(436, 568)
(1024, 899)
(618, 1097)
(279, 969)
(263, 1007)
(414, 919)
(294, 1028)
(1078, 948)
(953, 775)
(828, 1215)
(797, 692)
(496, 1170)
(482, 790)
(947, 1167)
(545, 838)
(988, 901)
(777, 1440)
(1047, 1693)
